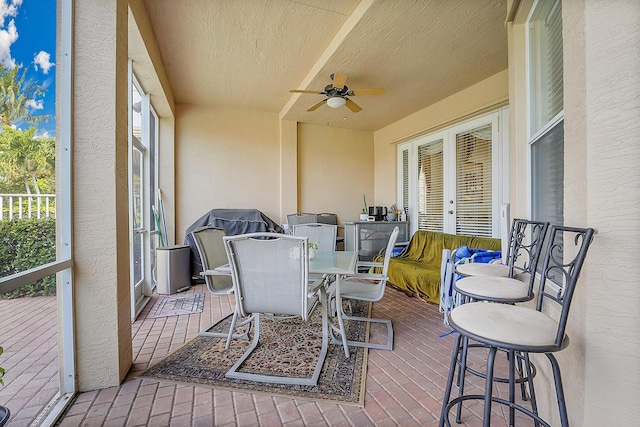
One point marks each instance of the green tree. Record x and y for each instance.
(27, 164)
(17, 97)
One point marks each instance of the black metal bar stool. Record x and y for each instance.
(516, 329)
(525, 247)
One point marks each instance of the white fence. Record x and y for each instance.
(18, 206)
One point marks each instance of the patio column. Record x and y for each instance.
(100, 194)
(288, 169)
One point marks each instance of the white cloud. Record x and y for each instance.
(35, 104)
(7, 37)
(9, 33)
(8, 8)
(42, 134)
(43, 60)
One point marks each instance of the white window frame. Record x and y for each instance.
(534, 137)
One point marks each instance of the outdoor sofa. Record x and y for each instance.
(416, 270)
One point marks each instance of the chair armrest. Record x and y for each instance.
(223, 270)
(366, 276)
(316, 285)
(369, 264)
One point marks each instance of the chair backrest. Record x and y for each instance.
(327, 218)
(210, 245)
(323, 234)
(512, 241)
(301, 218)
(527, 238)
(389, 250)
(270, 274)
(565, 254)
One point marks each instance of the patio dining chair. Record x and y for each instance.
(271, 277)
(322, 234)
(210, 245)
(301, 218)
(365, 287)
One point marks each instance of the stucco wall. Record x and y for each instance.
(481, 97)
(225, 159)
(335, 168)
(102, 298)
(602, 190)
(608, 171)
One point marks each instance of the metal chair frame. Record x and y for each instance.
(210, 245)
(558, 280)
(280, 264)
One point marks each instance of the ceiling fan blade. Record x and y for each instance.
(362, 92)
(305, 91)
(353, 106)
(316, 106)
(339, 80)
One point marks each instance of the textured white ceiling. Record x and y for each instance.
(248, 54)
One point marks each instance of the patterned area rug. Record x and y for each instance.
(175, 305)
(288, 347)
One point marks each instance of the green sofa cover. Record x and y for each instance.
(416, 269)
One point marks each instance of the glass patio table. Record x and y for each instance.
(340, 263)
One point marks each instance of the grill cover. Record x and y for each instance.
(234, 221)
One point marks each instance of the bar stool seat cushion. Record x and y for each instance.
(482, 269)
(501, 289)
(506, 326)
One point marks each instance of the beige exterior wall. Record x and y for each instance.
(225, 159)
(484, 96)
(248, 159)
(335, 168)
(102, 299)
(602, 190)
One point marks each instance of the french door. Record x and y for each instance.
(142, 183)
(455, 180)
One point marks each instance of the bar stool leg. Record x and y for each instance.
(512, 387)
(532, 392)
(488, 392)
(557, 377)
(523, 378)
(462, 370)
(452, 372)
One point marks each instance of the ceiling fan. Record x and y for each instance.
(337, 93)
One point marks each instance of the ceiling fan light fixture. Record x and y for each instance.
(336, 102)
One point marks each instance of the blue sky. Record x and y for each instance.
(28, 39)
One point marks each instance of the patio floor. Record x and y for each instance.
(404, 386)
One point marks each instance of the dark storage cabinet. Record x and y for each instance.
(370, 238)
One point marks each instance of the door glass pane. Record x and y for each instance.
(137, 214)
(431, 186)
(473, 182)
